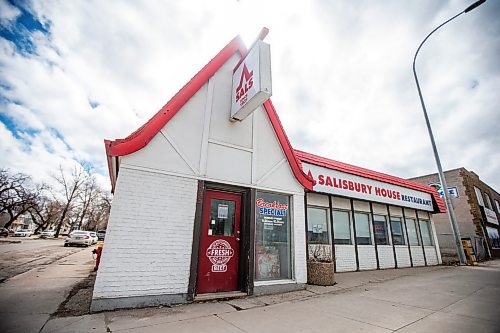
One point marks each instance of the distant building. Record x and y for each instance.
(477, 208)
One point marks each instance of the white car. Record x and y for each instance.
(93, 234)
(79, 237)
(49, 233)
(23, 233)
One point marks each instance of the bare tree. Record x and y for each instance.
(70, 189)
(18, 194)
(88, 198)
(45, 214)
(99, 211)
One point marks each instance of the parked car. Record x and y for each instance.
(93, 234)
(49, 233)
(4, 232)
(101, 234)
(79, 237)
(23, 233)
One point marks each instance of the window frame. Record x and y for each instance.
(419, 243)
(387, 237)
(370, 231)
(328, 226)
(349, 223)
(488, 201)
(429, 229)
(290, 234)
(479, 196)
(402, 227)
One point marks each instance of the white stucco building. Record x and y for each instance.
(208, 205)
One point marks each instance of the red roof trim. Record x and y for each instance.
(335, 165)
(287, 147)
(141, 137)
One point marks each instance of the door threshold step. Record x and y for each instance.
(219, 296)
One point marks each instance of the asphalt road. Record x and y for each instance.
(17, 258)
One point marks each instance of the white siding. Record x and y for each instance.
(385, 256)
(417, 256)
(299, 241)
(431, 255)
(345, 258)
(367, 258)
(149, 236)
(403, 256)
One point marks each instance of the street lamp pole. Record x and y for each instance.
(449, 206)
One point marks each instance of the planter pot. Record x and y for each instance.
(320, 273)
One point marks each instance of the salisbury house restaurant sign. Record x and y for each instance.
(251, 81)
(344, 184)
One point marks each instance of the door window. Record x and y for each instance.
(221, 218)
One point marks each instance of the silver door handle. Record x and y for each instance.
(237, 239)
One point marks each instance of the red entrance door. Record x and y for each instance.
(220, 236)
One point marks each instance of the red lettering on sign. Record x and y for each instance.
(321, 179)
(329, 181)
(246, 82)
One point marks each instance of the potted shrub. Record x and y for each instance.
(320, 265)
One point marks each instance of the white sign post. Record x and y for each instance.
(251, 81)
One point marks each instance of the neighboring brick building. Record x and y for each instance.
(477, 208)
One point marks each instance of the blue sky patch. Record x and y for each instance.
(20, 33)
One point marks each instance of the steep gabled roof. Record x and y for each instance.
(144, 134)
(362, 172)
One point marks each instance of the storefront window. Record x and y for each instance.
(272, 244)
(317, 225)
(425, 229)
(412, 232)
(380, 230)
(341, 227)
(363, 234)
(397, 231)
(494, 237)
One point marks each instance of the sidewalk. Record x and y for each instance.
(373, 301)
(27, 300)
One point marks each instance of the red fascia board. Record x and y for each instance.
(141, 137)
(348, 168)
(287, 147)
(107, 144)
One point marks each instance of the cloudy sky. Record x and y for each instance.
(73, 73)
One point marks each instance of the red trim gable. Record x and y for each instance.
(347, 168)
(142, 136)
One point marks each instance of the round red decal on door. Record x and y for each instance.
(219, 253)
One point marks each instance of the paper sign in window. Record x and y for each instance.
(222, 211)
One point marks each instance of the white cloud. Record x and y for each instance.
(343, 83)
